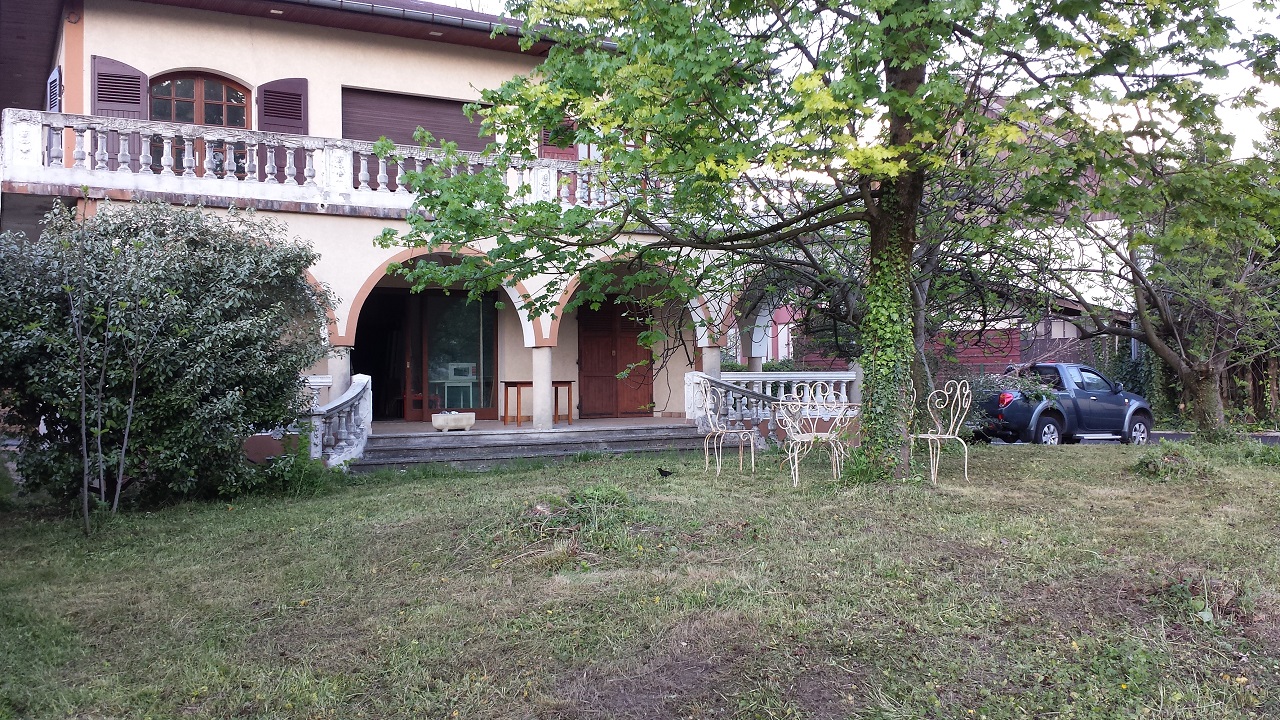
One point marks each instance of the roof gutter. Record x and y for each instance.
(512, 28)
(414, 15)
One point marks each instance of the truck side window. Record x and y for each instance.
(1074, 375)
(1094, 382)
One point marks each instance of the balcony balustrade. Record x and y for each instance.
(60, 153)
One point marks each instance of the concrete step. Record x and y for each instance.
(406, 450)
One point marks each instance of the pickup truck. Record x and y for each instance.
(1079, 403)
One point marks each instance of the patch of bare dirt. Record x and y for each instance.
(690, 670)
(702, 667)
(1083, 602)
(823, 692)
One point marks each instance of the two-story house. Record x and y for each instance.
(274, 105)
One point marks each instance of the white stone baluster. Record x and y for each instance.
(382, 174)
(251, 163)
(122, 157)
(402, 175)
(290, 167)
(584, 189)
(55, 146)
(188, 156)
(100, 144)
(271, 164)
(209, 164)
(78, 155)
(364, 172)
(310, 171)
(562, 179)
(145, 159)
(166, 160)
(229, 161)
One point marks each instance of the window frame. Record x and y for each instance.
(198, 112)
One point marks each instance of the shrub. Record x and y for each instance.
(294, 473)
(143, 344)
(1174, 462)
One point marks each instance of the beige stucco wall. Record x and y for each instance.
(668, 375)
(254, 50)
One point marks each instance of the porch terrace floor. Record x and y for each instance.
(404, 427)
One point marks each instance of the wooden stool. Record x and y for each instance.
(517, 385)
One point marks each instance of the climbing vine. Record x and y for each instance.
(887, 332)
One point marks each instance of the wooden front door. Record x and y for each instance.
(609, 344)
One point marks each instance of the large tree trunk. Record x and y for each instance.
(887, 327)
(1204, 385)
(1273, 388)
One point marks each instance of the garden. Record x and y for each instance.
(1096, 581)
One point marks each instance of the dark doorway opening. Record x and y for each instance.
(428, 352)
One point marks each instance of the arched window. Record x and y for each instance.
(200, 99)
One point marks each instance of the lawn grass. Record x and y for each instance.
(1058, 583)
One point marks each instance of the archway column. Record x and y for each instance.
(711, 360)
(758, 348)
(543, 391)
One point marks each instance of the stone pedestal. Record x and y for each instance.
(445, 422)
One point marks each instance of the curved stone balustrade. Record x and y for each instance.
(340, 429)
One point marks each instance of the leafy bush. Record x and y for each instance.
(1174, 462)
(293, 473)
(143, 344)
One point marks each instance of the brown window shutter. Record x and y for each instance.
(282, 106)
(550, 151)
(118, 90)
(369, 115)
(53, 91)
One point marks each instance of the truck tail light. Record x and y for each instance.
(1005, 399)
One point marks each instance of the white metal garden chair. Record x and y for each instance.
(947, 410)
(717, 408)
(815, 417)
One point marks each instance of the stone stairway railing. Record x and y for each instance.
(122, 155)
(340, 429)
(749, 396)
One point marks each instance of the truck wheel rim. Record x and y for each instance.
(1138, 435)
(1049, 435)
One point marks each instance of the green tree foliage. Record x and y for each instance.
(144, 343)
(738, 141)
(1185, 238)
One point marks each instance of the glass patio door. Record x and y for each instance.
(451, 358)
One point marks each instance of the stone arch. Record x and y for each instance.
(699, 307)
(216, 72)
(348, 338)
